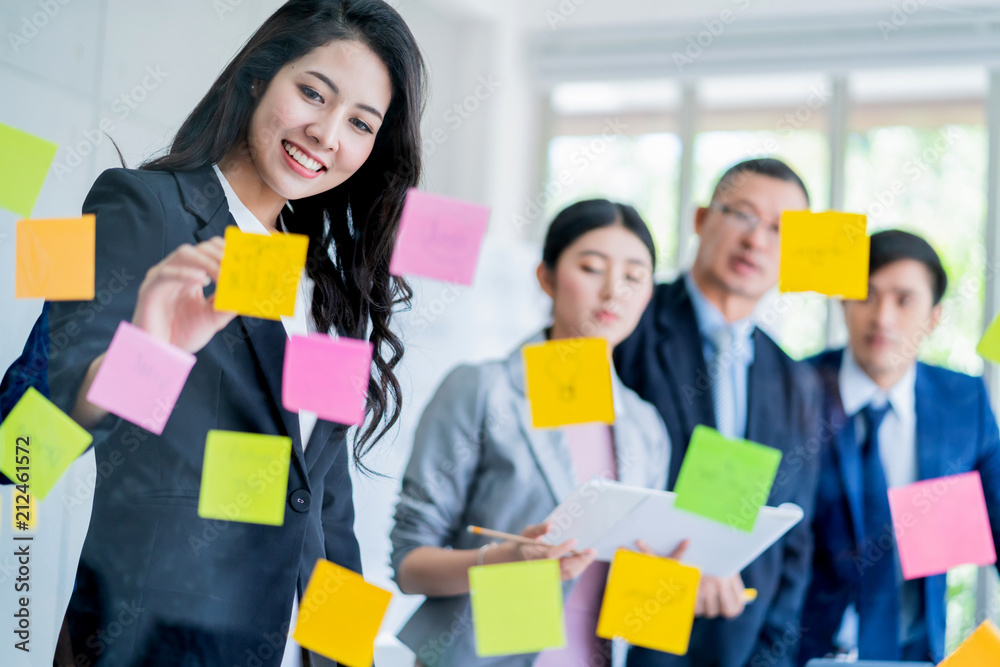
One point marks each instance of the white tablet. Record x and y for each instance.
(606, 516)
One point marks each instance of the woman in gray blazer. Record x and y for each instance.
(477, 460)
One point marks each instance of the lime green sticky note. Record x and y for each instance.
(989, 344)
(245, 477)
(517, 607)
(725, 480)
(24, 162)
(39, 442)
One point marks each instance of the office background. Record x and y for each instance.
(889, 108)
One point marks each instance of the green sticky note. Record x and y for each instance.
(24, 162)
(989, 344)
(517, 607)
(725, 480)
(245, 477)
(39, 442)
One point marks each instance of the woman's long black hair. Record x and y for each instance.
(352, 227)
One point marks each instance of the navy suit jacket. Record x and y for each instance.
(956, 432)
(185, 590)
(663, 362)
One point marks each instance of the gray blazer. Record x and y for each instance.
(477, 460)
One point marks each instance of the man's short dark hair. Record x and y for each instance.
(765, 166)
(894, 245)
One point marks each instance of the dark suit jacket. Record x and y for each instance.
(156, 584)
(956, 432)
(663, 362)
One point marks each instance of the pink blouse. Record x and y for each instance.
(592, 449)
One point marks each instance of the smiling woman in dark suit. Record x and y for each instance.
(319, 106)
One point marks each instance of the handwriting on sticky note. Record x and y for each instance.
(726, 480)
(439, 238)
(568, 381)
(940, 524)
(649, 602)
(39, 440)
(140, 378)
(981, 648)
(327, 376)
(260, 274)
(825, 253)
(24, 163)
(517, 607)
(245, 477)
(55, 259)
(340, 615)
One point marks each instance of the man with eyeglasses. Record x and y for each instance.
(699, 357)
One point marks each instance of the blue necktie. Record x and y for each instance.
(878, 596)
(720, 373)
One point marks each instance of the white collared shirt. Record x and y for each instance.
(299, 324)
(897, 441)
(897, 436)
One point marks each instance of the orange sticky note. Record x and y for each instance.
(340, 615)
(981, 648)
(568, 381)
(649, 602)
(259, 275)
(55, 259)
(825, 253)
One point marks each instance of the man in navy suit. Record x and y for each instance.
(698, 356)
(898, 421)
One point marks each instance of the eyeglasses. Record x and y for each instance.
(747, 221)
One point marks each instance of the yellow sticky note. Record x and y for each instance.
(24, 513)
(517, 607)
(825, 253)
(245, 477)
(24, 162)
(981, 648)
(989, 344)
(340, 615)
(39, 442)
(568, 381)
(260, 274)
(55, 259)
(649, 601)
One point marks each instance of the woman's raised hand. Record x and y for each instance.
(570, 566)
(172, 305)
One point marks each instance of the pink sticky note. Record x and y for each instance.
(940, 524)
(439, 238)
(327, 376)
(140, 378)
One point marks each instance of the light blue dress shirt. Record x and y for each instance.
(733, 376)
